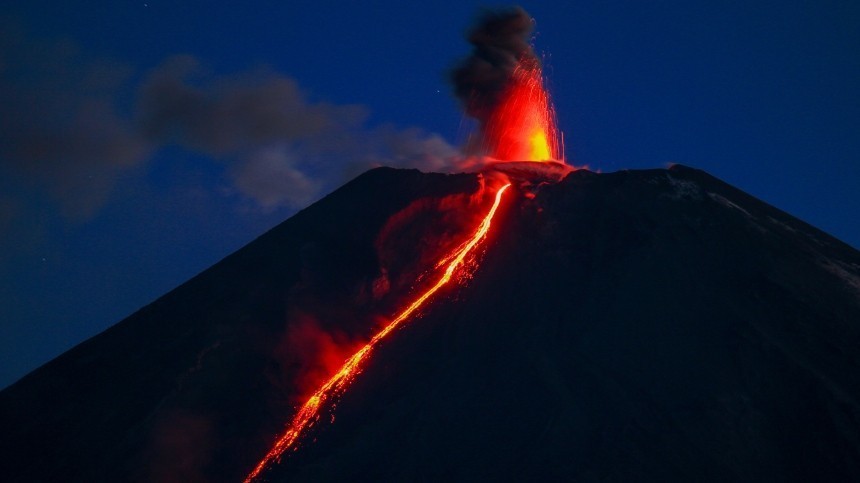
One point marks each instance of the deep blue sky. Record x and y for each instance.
(763, 94)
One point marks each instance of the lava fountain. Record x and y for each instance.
(501, 85)
(522, 126)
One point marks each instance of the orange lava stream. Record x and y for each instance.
(308, 414)
(523, 126)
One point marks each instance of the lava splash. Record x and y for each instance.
(522, 127)
(501, 85)
(309, 413)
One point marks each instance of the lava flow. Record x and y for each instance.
(308, 414)
(522, 126)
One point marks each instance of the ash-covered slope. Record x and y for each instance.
(193, 386)
(644, 325)
(633, 326)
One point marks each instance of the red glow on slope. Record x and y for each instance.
(308, 414)
(523, 126)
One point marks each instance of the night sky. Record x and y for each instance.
(142, 142)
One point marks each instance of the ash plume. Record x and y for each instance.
(501, 43)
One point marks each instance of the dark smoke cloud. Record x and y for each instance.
(501, 42)
(281, 148)
(60, 129)
(71, 128)
(232, 114)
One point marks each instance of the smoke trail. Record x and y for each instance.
(60, 126)
(501, 44)
(280, 146)
(69, 130)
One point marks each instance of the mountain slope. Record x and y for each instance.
(639, 325)
(190, 386)
(653, 325)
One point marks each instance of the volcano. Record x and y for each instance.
(636, 326)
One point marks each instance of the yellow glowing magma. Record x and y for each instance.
(522, 126)
(539, 147)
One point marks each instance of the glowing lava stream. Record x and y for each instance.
(308, 414)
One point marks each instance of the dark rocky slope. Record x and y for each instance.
(643, 325)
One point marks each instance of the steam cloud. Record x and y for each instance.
(501, 42)
(280, 148)
(59, 125)
(67, 129)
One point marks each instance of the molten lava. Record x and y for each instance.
(522, 127)
(308, 414)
